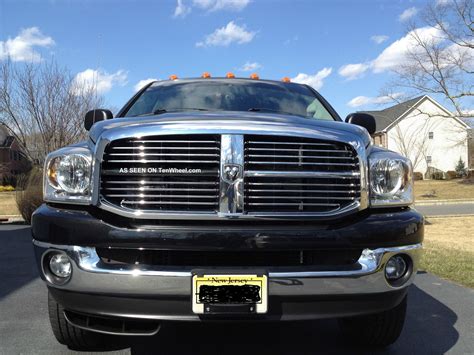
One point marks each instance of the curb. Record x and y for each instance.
(450, 215)
(443, 202)
(11, 219)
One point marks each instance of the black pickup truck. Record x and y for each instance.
(221, 199)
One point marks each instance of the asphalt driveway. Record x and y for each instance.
(440, 320)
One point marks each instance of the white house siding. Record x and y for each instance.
(448, 144)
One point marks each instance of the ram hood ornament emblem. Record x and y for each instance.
(232, 172)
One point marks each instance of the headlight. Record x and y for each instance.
(68, 176)
(391, 180)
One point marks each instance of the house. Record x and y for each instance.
(426, 132)
(470, 123)
(12, 159)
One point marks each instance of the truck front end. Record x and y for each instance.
(218, 212)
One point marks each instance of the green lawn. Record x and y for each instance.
(449, 249)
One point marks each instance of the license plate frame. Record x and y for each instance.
(218, 279)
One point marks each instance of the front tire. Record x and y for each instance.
(69, 335)
(379, 329)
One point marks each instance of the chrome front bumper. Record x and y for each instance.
(90, 275)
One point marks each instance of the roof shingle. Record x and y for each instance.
(385, 117)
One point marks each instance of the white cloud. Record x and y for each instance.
(395, 54)
(407, 14)
(378, 100)
(181, 9)
(216, 5)
(379, 38)
(250, 66)
(441, 3)
(142, 83)
(353, 71)
(316, 80)
(226, 35)
(99, 80)
(22, 47)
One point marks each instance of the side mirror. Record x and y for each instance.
(97, 115)
(362, 119)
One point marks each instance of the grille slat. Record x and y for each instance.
(140, 148)
(151, 189)
(282, 204)
(296, 156)
(164, 196)
(298, 197)
(304, 191)
(165, 154)
(296, 150)
(141, 202)
(150, 182)
(148, 161)
(275, 162)
(299, 175)
(309, 174)
(170, 174)
(297, 184)
(306, 143)
(168, 141)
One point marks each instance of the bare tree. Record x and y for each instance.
(413, 142)
(440, 59)
(43, 106)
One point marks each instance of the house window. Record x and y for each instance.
(430, 135)
(428, 159)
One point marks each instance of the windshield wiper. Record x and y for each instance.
(162, 110)
(263, 109)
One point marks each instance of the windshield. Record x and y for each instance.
(222, 95)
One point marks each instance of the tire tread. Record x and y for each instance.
(379, 329)
(69, 335)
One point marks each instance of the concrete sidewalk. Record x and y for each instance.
(11, 219)
(458, 201)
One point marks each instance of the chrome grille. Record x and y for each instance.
(299, 175)
(163, 173)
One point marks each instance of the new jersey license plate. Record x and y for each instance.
(229, 293)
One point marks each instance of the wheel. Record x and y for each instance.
(69, 335)
(379, 329)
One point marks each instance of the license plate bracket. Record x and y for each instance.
(229, 292)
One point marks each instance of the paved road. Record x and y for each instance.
(446, 210)
(440, 320)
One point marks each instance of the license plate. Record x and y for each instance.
(223, 293)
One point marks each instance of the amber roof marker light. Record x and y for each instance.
(286, 79)
(254, 76)
(173, 77)
(206, 75)
(230, 75)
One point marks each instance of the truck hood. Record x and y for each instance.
(226, 122)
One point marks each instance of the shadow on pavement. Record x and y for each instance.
(428, 330)
(17, 260)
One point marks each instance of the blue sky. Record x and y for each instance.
(120, 43)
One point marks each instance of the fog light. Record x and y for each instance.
(60, 265)
(396, 267)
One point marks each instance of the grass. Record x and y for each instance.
(443, 190)
(449, 249)
(8, 204)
